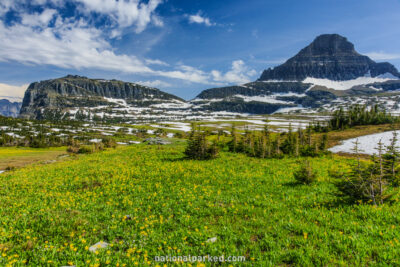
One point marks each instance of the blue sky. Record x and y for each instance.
(179, 46)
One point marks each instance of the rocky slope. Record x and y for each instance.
(329, 56)
(9, 109)
(67, 96)
(328, 69)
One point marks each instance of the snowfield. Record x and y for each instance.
(367, 144)
(345, 85)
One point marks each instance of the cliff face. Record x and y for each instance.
(76, 91)
(9, 109)
(329, 56)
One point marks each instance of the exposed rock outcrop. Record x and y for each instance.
(57, 95)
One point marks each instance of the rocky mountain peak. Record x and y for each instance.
(329, 45)
(329, 56)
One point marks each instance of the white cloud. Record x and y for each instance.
(156, 62)
(47, 38)
(187, 73)
(75, 45)
(12, 92)
(238, 74)
(5, 6)
(200, 20)
(155, 84)
(383, 56)
(125, 12)
(39, 19)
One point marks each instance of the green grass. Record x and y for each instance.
(22, 156)
(50, 215)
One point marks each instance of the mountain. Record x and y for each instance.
(72, 96)
(329, 56)
(329, 69)
(9, 109)
(327, 73)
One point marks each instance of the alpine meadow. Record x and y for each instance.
(199, 133)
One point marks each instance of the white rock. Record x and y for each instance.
(98, 245)
(212, 240)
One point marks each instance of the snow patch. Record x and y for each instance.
(367, 143)
(345, 85)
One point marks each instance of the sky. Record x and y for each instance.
(179, 46)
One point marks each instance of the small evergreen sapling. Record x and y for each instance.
(305, 174)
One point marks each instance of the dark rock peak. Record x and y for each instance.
(329, 56)
(328, 45)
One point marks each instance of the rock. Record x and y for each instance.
(52, 98)
(212, 240)
(156, 141)
(97, 246)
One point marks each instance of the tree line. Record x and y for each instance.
(356, 115)
(260, 144)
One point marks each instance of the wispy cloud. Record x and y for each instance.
(155, 84)
(46, 37)
(383, 56)
(199, 19)
(156, 62)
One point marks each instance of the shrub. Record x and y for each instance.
(365, 182)
(305, 174)
(198, 146)
(74, 149)
(108, 143)
(10, 168)
(85, 150)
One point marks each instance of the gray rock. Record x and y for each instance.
(97, 246)
(212, 240)
(156, 141)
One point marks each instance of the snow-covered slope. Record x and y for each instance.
(348, 84)
(366, 144)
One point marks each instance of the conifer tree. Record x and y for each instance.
(391, 160)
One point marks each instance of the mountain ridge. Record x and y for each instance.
(329, 56)
(79, 91)
(326, 70)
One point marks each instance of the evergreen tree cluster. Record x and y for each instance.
(264, 144)
(359, 115)
(370, 182)
(198, 147)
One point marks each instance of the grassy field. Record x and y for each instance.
(50, 215)
(18, 157)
